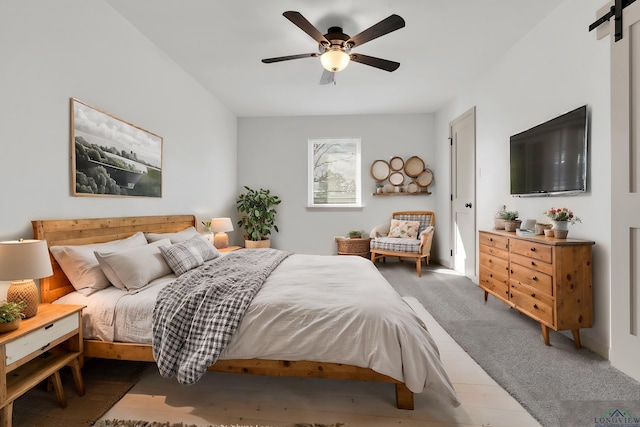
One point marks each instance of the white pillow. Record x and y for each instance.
(177, 237)
(81, 266)
(404, 229)
(132, 269)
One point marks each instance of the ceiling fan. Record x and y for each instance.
(334, 48)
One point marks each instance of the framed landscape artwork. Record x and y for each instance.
(111, 157)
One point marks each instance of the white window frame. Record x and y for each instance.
(346, 143)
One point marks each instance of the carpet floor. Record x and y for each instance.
(559, 385)
(106, 381)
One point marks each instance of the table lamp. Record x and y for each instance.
(219, 226)
(21, 261)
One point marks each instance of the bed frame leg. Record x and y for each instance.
(404, 397)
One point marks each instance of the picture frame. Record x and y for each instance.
(111, 157)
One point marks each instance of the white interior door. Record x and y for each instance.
(625, 190)
(462, 132)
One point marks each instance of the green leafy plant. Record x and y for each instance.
(258, 213)
(508, 215)
(354, 234)
(207, 225)
(10, 311)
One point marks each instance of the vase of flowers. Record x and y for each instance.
(561, 218)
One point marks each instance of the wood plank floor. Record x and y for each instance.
(278, 402)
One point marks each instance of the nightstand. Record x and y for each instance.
(37, 350)
(230, 249)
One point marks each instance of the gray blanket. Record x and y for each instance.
(195, 317)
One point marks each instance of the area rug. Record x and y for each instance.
(132, 423)
(106, 381)
(559, 385)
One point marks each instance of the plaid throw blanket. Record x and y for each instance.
(195, 317)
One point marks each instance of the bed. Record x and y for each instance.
(237, 357)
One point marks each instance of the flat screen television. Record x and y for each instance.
(551, 158)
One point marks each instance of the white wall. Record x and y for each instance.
(273, 155)
(52, 51)
(555, 68)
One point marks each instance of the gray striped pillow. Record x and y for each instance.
(189, 254)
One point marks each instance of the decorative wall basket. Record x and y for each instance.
(413, 166)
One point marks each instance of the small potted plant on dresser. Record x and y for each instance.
(11, 313)
(258, 216)
(511, 221)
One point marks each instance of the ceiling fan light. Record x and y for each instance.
(334, 60)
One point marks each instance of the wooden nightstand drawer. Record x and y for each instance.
(40, 338)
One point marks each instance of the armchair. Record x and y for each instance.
(411, 237)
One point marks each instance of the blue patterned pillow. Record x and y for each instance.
(189, 254)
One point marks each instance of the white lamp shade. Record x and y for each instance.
(24, 259)
(334, 60)
(221, 225)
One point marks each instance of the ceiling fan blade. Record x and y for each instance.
(287, 58)
(306, 26)
(383, 64)
(328, 77)
(386, 26)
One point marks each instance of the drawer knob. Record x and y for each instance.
(535, 305)
(533, 263)
(533, 295)
(45, 346)
(490, 274)
(49, 326)
(534, 278)
(491, 239)
(533, 249)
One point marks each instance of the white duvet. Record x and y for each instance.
(321, 308)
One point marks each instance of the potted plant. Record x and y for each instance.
(355, 234)
(257, 216)
(561, 218)
(511, 221)
(10, 315)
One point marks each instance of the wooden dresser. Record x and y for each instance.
(547, 279)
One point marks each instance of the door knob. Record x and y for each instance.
(467, 205)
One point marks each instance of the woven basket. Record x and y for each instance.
(498, 223)
(512, 225)
(358, 246)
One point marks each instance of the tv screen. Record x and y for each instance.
(551, 158)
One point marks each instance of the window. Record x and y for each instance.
(334, 172)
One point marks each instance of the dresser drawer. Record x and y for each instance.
(494, 264)
(535, 279)
(531, 250)
(532, 263)
(39, 338)
(536, 307)
(496, 284)
(492, 250)
(495, 241)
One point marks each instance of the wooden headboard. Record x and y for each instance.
(95, 230)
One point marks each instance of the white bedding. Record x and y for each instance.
(321, 308)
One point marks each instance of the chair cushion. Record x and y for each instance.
(396, 244)
(404, 229)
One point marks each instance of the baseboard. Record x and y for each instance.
(585, 341)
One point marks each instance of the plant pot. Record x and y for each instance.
(9, 326)
(560, 234)
(512, 225)
(560, 225)
(257, 244)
